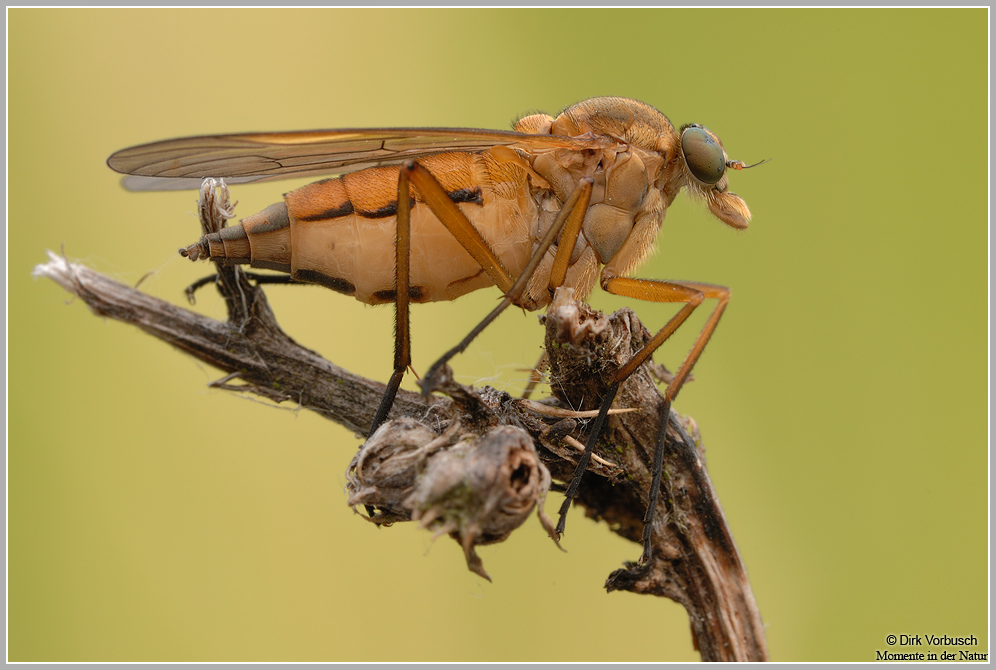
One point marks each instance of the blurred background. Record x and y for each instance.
(843, 399)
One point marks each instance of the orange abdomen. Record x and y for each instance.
(341, 232)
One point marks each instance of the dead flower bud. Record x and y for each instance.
(477, 490)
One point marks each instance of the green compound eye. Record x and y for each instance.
(703, 155)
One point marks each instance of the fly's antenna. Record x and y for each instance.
(740, 165)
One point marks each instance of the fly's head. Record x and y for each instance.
(702, 166)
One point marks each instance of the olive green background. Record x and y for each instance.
(842, 399)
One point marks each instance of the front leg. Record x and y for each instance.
(692, 294)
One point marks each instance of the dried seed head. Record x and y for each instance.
(477, 491)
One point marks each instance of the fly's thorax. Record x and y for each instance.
(626, 183)
(548, 207)
(563, 170)
(537, 124)
(631, 121)
(622, 181)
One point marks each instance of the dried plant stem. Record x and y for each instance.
(695, 560)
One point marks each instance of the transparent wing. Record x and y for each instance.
(183, 162)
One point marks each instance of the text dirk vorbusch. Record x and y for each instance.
(935, 641)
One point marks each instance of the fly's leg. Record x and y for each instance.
(570, 217)
(536, 375)
(402, 326)
(435, 196)
(412, 174)
(191, 290)
(438, 200)
(558, 272)
(692, 294)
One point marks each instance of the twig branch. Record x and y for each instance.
(256, 353)
(695, 560)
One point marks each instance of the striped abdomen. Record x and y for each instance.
(340, 232)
